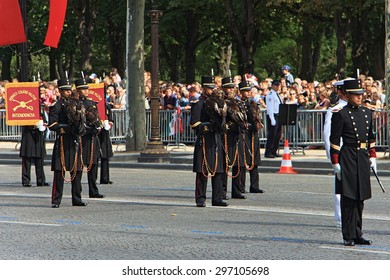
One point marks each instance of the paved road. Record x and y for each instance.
(150, 214)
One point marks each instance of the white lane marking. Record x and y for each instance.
(31, 224)
(355, 250)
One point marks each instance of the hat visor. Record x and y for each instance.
(228, 85)
(83, 87)
(209, 85)
(355, 91)
(245, 88)
(66, 87)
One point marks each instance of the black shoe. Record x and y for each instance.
(55, 206)
(200, 204)
(362, 241)
(107, 183)
(43, 185)
(349, 242)
(225, 197)
(269, 156)
(97, 196)
(220, 203)
(277, 155)
(257, 191)
(26, 185)
(239, 196)
(80, 204)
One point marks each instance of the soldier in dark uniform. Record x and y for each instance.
(32, 148)
(236, 125)
(208, 151)
(106, 147)
(66, 151)
(251, 146)
(352, 162)
(90, 141)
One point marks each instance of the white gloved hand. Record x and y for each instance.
(273, 121)
(42, 128)
(373, 164)
(39, 124)
(106, 125)
(337, 170)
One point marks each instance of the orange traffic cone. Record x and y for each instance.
(286, 167)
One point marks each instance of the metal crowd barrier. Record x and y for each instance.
(308, 130)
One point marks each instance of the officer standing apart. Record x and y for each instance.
(90, 141)
(274, 132)
(208, 151)
(32, 148)
(352, 161)
(234, 137)
(106, 147)
(66, 151)
(342, 101)
(251, 145)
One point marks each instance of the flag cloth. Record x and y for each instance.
(97, 93)
(11, 23)
(56, 22)
(176, 123)
(22, 103)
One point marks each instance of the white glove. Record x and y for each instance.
(273, 121)
(39, 124)
(106, 125)
(373, 164)
(337, 170)
(42, 128)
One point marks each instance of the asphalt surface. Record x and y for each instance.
(150, 214)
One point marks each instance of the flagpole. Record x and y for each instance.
(23, 46)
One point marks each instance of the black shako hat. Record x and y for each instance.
(352, 86)
(208, 82)
(227, 82)
(81, 84)
(244, 86)
(64, 84)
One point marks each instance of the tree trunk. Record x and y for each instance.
(86, 24)
(341, 51)
(136, 134)
(6, 58)
(192, 36)
(52, 64)
(245, 37)
(376, 53)
(359, 35)
(224, 60)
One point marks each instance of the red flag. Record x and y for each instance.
(11, 23)
(56, 22)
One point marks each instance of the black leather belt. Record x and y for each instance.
(357, 145)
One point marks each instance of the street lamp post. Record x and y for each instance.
(155, 151)
(23, 46)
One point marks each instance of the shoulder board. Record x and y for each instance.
(194, 101)
(54, 103)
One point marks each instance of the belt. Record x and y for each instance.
(357, 145)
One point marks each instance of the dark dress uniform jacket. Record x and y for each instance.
(104, 137)
(252, 149)
(207, 136)
(33, 141)
(90, 140)
(235, 132)
(354, 125)
(58, 122)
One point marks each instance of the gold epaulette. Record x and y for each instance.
(372, 145)
(336, 110)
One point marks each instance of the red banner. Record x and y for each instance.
(22, 103)
(11, 23)
(96, 93)
(56, 22)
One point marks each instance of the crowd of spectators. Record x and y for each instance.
(307, 95)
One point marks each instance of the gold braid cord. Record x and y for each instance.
(63, 165)
(205, 163)
(236, 157)
(251, 152)
(91, 157)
